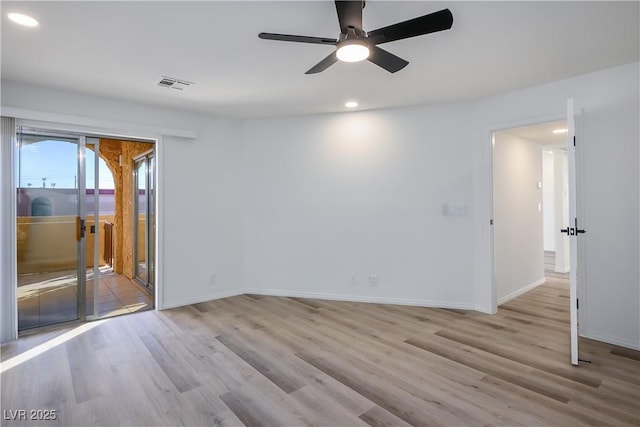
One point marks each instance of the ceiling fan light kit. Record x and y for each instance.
(352, 51)
(354, 44)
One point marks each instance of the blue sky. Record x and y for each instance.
(57, 162)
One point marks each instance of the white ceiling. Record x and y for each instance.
(542, 133)
(120, 50)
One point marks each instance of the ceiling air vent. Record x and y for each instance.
(174, 83)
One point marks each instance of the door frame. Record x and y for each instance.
(95, 312)
(10, 329)
(489, 131)
(148, 208)
(488, 138)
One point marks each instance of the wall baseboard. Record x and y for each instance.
(355, 298)
(521, 291)
(320, 295)
(203, 298)
(622, 342)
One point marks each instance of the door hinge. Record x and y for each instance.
(577, 304)
(574, 140)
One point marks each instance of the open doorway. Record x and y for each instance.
(75, 230)
(530, 206)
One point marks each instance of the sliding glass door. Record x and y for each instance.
(84, 247)
(50, 228)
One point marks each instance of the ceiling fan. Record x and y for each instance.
(354, 44)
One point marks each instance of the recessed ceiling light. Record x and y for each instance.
(564, 130)
(22, 19)
(351, 104)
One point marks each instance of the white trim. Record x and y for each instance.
(487, 136)
(158, 268)
(8, 251)
(320, 295)
(527, 121)
(622, 342)
(521, 291)
(53, 118)
(356, 298)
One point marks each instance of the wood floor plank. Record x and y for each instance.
(256, 406)
(497, 368)
(268, 368)
(385, 397)
(527, 356)
(272, 341)
(625, 352)
(555, 413)
(378, 417)
(322, 408)
(246, 414)
(82, 368)
(182, 379)
(307, 302)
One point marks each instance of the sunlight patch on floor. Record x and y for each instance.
(42, 348)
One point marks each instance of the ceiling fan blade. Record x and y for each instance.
(431, 23)
(324, 64)
(386, 60)
(349, 14)
(299, 39)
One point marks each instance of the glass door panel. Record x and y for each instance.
(48, 218)
(140, 219)
(144, 219)
(93, 234)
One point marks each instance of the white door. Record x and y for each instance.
(573, 231)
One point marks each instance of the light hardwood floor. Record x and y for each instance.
(274, 361)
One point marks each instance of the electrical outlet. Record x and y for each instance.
(373, 281)
(212, 278)
(354, 279)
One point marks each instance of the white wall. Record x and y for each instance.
(200, 185)
(202, 182)
(518, 234)
(359, 194)
(610, 133)
(548, 201)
